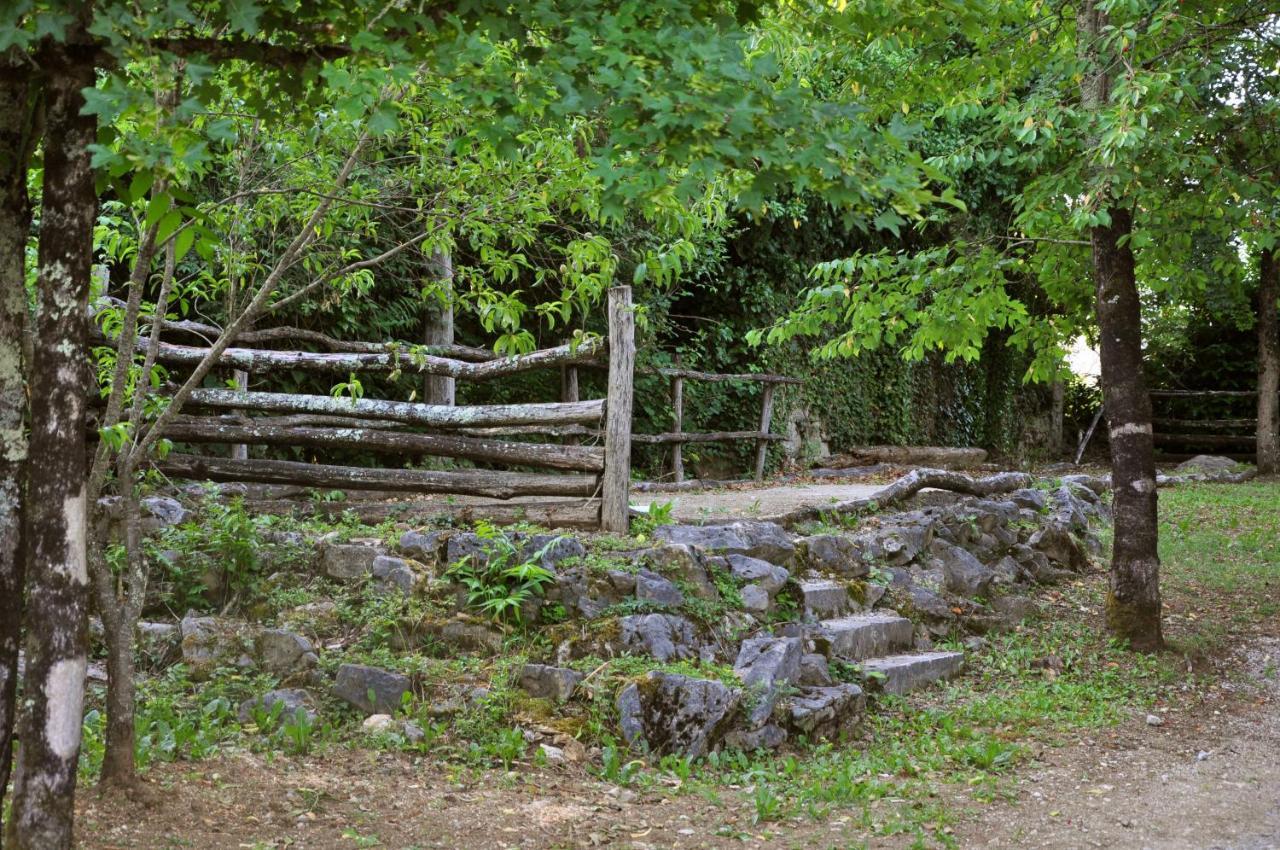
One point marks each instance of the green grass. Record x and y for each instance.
(1220, 546)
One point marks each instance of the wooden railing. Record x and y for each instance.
(592, 459)
(1204, 434)
(467, 432)
(678, 437)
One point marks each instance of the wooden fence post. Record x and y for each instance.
(677, 402)
(766, 419)
(616, 480)
(569, 391)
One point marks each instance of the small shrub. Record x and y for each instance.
(499, 584)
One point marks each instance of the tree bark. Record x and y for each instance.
(55, 518)
(1133, 600)
(15, 223)
(1268, 364)
(438, 330)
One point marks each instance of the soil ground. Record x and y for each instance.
(1207, 778)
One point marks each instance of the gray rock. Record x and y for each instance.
(964, 574)
(159, 644)
(667, 713)
(758, 571)
(823, 598)
(554, 683)
(347, 562)
(550, 550)
(1031, 498)
(1006, 570)
(165, 511)
(355, 683)
(755, 599)
(767, 737)
(394, 574)
(814, 670)
(291, 700)
(470, 636)
(827, 712)
(1036, 565)
(575, 589)
(284, 653)
(664, 636)
(651, 587)
(427, 548)
(765, 665)
(1013, 609)
(210, 642)
(863, 635)
(930, 604)
(765, 540)
(1060, 547)
(899, 674)
(769, 661)
(684, 563)
(834, 554)
(896, 545)
(1207, 465)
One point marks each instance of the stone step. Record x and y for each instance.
(862, 636)
(904, 673)
(823, 598)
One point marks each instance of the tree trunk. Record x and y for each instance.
(438, 330)
(15, 222)
(1268, 365)
(1133, 601)
(118, 619)
(55, 518)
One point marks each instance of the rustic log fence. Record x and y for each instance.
(1204, 434)
(591, 460)
(677, 438)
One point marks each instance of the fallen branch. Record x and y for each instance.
(910, 484)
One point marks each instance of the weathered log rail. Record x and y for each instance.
(1205, 434)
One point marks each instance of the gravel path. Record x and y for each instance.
(1204, 781)
(754, 503)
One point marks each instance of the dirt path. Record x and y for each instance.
(754, 503)
(1208, 780)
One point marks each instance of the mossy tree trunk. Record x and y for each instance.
(54, 529)
(16, 133)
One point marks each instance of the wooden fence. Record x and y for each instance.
(1222, 435)
(592, 459)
